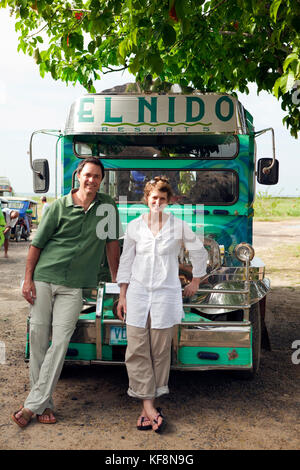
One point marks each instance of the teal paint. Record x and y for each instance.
(222, 117)
(188, 356)
(190, 100)
(108, 116)
(152, 107)
(85, 115)
(171, 109)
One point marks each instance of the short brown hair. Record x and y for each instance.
(161, 183)
(94, 160)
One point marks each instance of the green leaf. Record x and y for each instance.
(123, 48)
(168, 35)
(295, 23)
(274, 9)
(92, 47)
(290, 58)
(156, 63)
(134, 66)
(37, 56)
(290, 81)
(285, 83)
(277, 86)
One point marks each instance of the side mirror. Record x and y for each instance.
(265, 175)
(41, 177)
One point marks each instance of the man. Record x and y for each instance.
(64, 257)
(11, 219)
(45, 204)
(2, 227)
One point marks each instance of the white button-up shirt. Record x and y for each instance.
(8, 220)
(149, 264)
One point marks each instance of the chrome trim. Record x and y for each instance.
(181, 367)
(215, 336)
(99, 308)
(216, 323)
(227, 307)
(108, 363)
(208, 367)
(85, 333)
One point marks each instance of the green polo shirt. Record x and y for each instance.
(72, 241)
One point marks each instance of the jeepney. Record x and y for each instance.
(5, 186)
(205, 144)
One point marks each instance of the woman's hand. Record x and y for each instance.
(121, 308)
(191, 288)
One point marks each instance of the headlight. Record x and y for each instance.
(244, 252)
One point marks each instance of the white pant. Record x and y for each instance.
(56, 310)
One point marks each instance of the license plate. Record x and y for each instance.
(118, 335)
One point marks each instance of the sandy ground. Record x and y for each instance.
(205, 410)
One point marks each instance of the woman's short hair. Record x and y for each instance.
(161, 183)
(94, 160)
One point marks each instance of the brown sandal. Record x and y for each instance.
(46, 412)
(25, 415)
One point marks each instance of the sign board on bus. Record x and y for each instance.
(136, 114)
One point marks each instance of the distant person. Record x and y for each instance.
(2, 226)
(11, 219)
(45, 204)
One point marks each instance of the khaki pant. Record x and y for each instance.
(148, 358)
(56, 310)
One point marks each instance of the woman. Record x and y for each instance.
(151, 297)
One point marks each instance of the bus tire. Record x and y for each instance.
(17, 234)
(24, 233)
(254, 317)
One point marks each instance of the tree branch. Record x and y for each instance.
(115, 70)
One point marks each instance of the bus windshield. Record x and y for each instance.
(212, 187)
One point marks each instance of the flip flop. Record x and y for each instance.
(25, 415)
(145, 427)
(46, 412)
(162, 425)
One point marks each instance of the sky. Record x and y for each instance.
(29, 102)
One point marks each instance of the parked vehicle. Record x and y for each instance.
(205, 144)
(5, 186)
(27, 209)
(3, 202)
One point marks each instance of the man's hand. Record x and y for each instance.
(28, 289)
(29, 292)
(113, 258)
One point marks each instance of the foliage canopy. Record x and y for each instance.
(209, 45)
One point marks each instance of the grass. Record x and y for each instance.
(40, 206)
(267, 207)
(278, 267)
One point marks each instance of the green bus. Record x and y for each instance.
(205, 145)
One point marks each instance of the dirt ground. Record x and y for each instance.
(205, 410)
